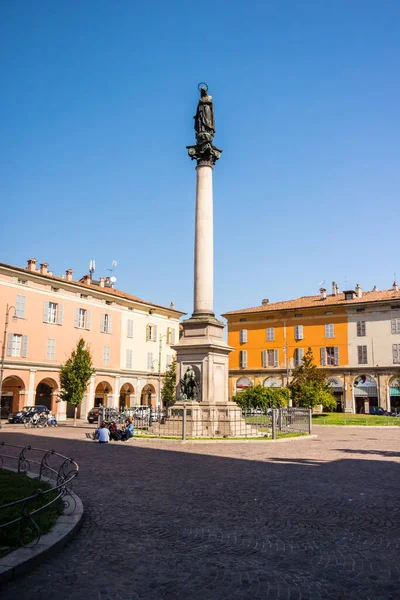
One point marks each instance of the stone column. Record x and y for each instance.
(31, 388)
(204, 244)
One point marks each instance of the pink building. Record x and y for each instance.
(49, 314)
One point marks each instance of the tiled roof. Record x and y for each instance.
(317, 302)
(95, 288)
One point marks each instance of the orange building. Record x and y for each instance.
(353, 336)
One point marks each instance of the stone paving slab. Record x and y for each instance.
(314, 519)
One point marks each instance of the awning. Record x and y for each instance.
(366, 391)
(394, 391)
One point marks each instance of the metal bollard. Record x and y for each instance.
(100, 417)
(184, 423)
(310, 421)
(274, 423)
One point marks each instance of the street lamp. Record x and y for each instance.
(3, 350)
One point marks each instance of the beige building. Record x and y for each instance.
(130, 339)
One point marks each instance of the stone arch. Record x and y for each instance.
(337, 389)
(102, 393)
(394, 393)
(12, 394)
(148, 395)
(126, 392)
(45, 392)
(243, 383)
(272, 382)
(365, 390)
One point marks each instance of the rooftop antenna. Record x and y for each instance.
(92, 268)
(112, 278)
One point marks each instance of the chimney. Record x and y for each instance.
(50, 273)
(358, 291)
(86, 279)
(101, 280)
(68, 274)
(108, 280)
(172, 305)
(335, 289)
(395, 287)
(264, 301)
(323, 293)
(31, 264)
(43, 268)
(375, 289)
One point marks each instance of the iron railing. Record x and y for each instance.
(194, 420)
(48, 466)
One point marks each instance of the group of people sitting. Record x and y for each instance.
(109, 431)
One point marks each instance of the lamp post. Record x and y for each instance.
(159, 369)
(3, 351)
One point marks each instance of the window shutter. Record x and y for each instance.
(24, 352)
(109, 329)
(102, 322)
(394, 325)
(76, 320)
(360, 355)
(48, 350)
(298, 332)
(60, 314)
(130, 328)
(243, 336)
(88, 319)
(46, 313)
(147, 332)
(10, 344)
(173, 332)
(245, 358)
(336, 354)
(276, 358)
(264, 358)
(155, 333)
(149, 360)
(359, 331)
(20, 307)
(169, 359)
(106, 355)
(323, 357)
(129, 359)
(395, 354)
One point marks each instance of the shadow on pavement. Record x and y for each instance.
(177, 524)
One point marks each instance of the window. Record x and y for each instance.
(129, 332)
(243, 359)
(329, 312)
(361, 329)
(298, 356)
(17, 345)
(270, 334)
(329, 331)
(150, 361)
(151, 333)
(243, 336)
(298, 314)
(270, 358)
(168, 360)
(349, 295)
(20, 307)
(242, 320)
(82, 318)
(129, 359)
(396, 354)
(105, 323)
(396, 325)
(170, 336)
(51, 349)
(22, 281)
(330, 356)
(106, 356)
(55, 289)
(360, 309)
(298, 332)
(362, 355)
(53, 313)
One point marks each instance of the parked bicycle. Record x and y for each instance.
(35, 421)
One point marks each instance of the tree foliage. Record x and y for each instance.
(75, 374)
(168, 393)
(309, 386)
(259, 396)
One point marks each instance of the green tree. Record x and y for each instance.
(168, 393)
(309, 386)
(259, 396)
(75, 375)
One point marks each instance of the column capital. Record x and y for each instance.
(206, 154)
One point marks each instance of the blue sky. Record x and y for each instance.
(96, 112)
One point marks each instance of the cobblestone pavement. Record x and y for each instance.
(307, 519)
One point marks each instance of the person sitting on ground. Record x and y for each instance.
(114, 433)
(103, 433)
(128, 430)
(51, 420)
